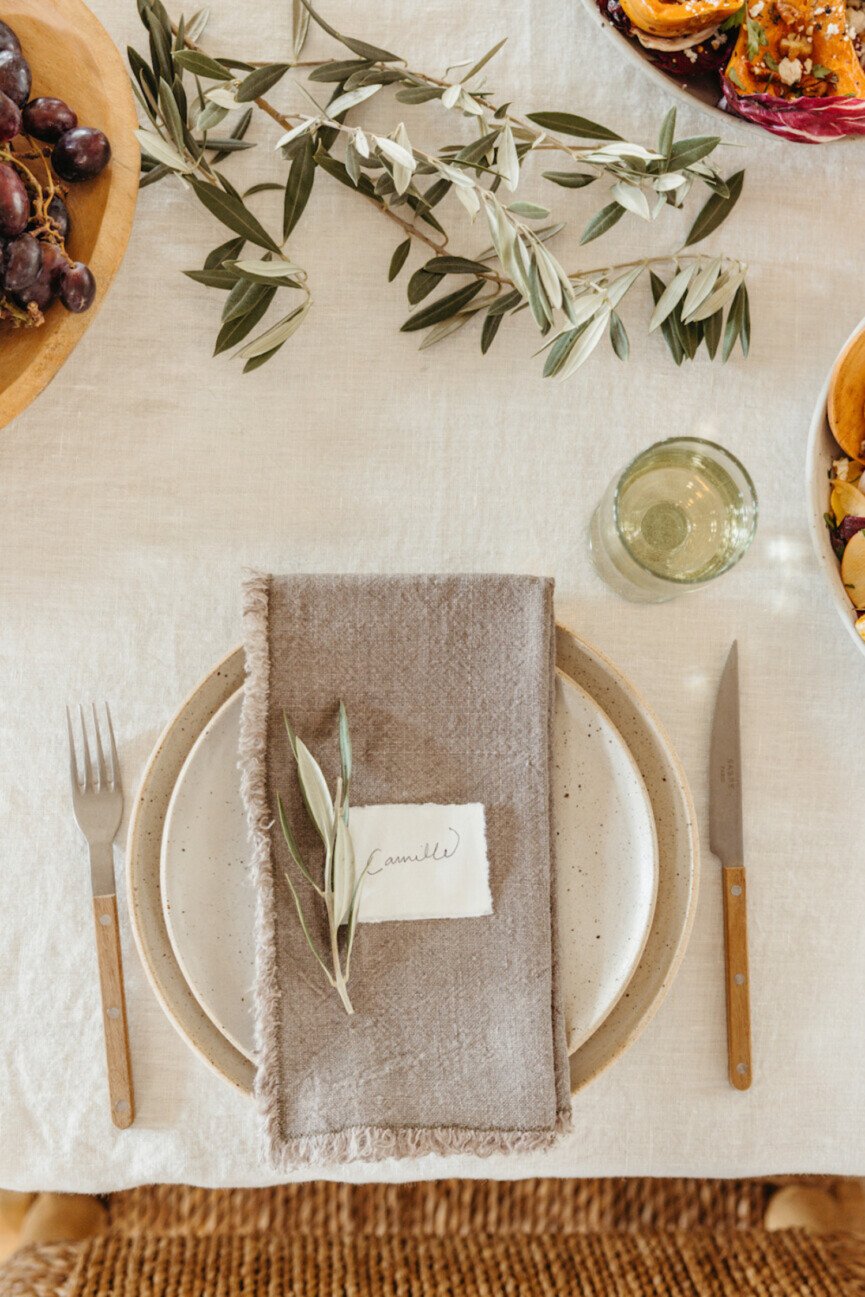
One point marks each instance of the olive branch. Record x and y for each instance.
(187, 95)
(340, 889)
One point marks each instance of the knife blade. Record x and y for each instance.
(726, 842)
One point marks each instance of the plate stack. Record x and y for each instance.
(626, 857)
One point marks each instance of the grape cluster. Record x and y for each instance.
(53, 152)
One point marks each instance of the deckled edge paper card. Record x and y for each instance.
(457, 1043)
(421, 862)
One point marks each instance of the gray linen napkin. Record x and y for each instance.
(458, 1042)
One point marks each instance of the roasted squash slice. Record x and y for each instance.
(671, 18)
(796, 48)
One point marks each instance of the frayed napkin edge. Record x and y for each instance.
(252, 762)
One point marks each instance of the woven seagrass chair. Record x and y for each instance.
(597, 1238)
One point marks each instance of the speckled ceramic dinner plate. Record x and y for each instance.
(606, 849)
(672, 812)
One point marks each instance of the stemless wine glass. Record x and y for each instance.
(679, 515)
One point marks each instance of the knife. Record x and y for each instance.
(725, 840)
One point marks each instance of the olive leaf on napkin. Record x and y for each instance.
(186, 95)
(339, 889)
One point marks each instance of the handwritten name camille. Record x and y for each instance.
(436, 853)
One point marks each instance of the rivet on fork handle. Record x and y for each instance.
(114, 1011)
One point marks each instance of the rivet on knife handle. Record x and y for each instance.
(737, 977)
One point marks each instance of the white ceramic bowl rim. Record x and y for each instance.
(671, 84)
(820, 440)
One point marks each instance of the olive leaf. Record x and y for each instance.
(455, 266)
(619, 336)
(213, 278)
(398, 259)
(201, 65)
(162, 151)
(441, 309)
(235, 330)
(276, 335)
(298, 186)
(231, 211)
(716, 210)
(569, 124)
(686, 152)
(315, 792)
(489, 329)
(421, 284)
(260, 81)
(570, 179)
(341, 887)
(299, 27)
(602, 221)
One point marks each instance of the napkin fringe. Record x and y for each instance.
(372, 1143)
(252, 760)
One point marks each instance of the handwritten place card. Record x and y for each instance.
(428, 861)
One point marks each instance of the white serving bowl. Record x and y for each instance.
(704, 92)
(822, 450)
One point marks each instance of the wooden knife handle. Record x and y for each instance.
(737, 977)
(114, 1011)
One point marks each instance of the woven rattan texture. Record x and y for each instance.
(456, 1238)
(723, 1264)
(445, 1207)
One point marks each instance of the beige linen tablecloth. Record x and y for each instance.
(140, 484)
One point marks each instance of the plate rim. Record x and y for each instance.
(176, 945)
(574, 1042)
(220, 1056)
(820, 440)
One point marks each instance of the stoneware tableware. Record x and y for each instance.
(678, 863)
(822, 450)
(73, 58)
(606, 851)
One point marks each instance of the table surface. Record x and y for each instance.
(138, 486)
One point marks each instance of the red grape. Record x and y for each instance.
(8, 40)
(59, 213)
(54, 264)
(14, 202)
(10, 118)
(48, 119)
(80, 154)
(78, 288)
(46, 285)
(23, 262)
(14, 76)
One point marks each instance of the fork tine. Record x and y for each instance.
(88, 768)
(73, 762)
(100, 755)
(115, 763)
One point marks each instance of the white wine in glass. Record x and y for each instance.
(680, 514)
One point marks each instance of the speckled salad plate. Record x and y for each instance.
(627, 860)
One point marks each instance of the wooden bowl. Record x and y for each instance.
(72, 57)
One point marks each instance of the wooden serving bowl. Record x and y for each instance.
(72, 57)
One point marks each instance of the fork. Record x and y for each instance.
(97, 800)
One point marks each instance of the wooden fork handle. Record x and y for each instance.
(737, 978)
(114, 1011)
